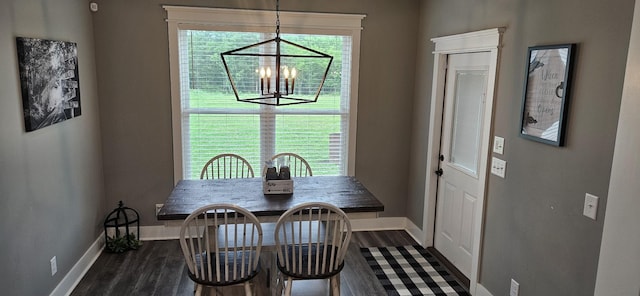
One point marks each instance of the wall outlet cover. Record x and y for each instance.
(54, 265)
(514, 289)
(590, 206)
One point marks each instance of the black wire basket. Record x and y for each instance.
(118, 229)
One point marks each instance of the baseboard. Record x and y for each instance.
(73, 277)
(163, 232)
(382, 223)
(481, 291)
(416, 233)
(159, 232)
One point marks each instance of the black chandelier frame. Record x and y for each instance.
(278, 97)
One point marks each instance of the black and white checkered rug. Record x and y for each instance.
(411, 270)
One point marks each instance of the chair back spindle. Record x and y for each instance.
(221, 244)
(298, 166)
(312, 240)
(227, 166)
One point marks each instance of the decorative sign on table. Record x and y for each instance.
(546, 92)
(277, 180)
(49, 81)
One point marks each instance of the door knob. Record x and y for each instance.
(439, 172)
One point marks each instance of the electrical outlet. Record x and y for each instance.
(158, 207)
(515, 288)
(590, 206)
(54, 265)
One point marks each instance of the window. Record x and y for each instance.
(207, 119)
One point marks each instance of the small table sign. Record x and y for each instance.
(277, 186)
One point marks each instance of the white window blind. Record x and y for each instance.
(212, 122)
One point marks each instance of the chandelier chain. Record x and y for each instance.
(277, 18)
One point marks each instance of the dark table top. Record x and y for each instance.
(345, 192)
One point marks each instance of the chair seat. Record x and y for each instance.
(309, 260)
(234, 275)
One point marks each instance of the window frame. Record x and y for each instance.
(241, 20)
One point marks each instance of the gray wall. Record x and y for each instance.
(133, 74)
(51, 183)
(619, 264)
(54, 194)
(534, 229)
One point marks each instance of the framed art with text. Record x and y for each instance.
(49, 81)
(546, 93)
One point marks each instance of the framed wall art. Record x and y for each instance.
(49, 81)
(546, 93)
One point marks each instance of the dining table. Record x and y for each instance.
(345, 192)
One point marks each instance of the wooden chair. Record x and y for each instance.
(298, 166)
(227, 166)
(221, 244)
(311, 242)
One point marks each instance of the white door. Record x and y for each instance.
(460, 157)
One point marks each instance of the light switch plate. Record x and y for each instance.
(498, 145)
(498, 167)
(590, 206)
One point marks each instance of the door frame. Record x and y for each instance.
(480, 41)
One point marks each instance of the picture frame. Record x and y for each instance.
(547, 87)
(49, 81)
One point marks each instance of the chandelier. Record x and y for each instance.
(276, 72)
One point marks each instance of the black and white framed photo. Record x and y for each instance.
(546, 92)
(49, 81)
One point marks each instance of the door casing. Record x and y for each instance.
(479, 41)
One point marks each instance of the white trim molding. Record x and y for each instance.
(172, 230)
(241, 20)
(415, 232)
(262, 18)
(485, 40)
(77, 272)
(159, 232)
(480, 41)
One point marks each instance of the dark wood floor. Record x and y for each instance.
(158, 268)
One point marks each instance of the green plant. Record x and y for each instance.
(120, 244)
(134, 243)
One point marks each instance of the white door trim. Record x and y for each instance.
(479, 41)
